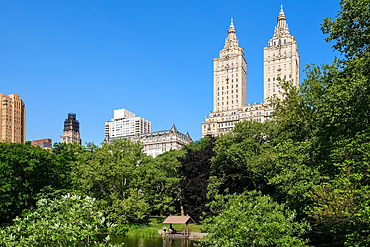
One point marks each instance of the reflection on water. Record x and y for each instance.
(153, 242)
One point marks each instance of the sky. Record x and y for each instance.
(154, 58)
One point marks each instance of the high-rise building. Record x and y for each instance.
(125, 123)
(71, 131)
(13, 119)
(230, 75)
(280, 58)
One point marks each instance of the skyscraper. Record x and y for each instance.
(230, 75)
(13, 118)
(280, 58)
(71, 131)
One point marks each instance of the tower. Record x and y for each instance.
(71, 131)
(280, 58)
(13, 119)
(230, 75)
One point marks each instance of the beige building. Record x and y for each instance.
(223, 121)
(280, 58)
(13, 119)
(230, 75)
(156, 143)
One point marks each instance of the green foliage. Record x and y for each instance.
(69, 221)
(239, 157)
(195, 171)
(250, 219)
(350, 29)
(24, 171)
(160, 182)
(111, 175)
(137, 230)
(343, 203)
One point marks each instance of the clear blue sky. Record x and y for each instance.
(153, 58)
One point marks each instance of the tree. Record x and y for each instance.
(250, 219)
(111, 175)
(350, 29)
(195, 169)
(238, 157)
(24, 171)
(159, 179)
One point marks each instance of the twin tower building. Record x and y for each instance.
(280, 60)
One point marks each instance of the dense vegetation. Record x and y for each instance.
(301, 179)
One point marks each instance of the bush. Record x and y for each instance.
(250, 219)
(69, 221)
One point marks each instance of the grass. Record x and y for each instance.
(136, 230)
(157, 223)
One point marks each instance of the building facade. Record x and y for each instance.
(43, 143)
(280, 58)
(125, 123)
(13, 119)
(156, 143)
(230, 75)
(71, 131)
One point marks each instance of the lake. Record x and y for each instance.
(132, 241)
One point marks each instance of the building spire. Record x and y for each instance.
(281, 10)
(281, 18)
(231, 31)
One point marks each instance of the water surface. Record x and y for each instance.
(132, 241)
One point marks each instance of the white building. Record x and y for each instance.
(125, 123)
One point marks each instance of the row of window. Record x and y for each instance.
(273, 78)
(227, 102)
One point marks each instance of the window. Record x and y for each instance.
(236, 85)
(269, 85)
(236, 90)
(290, 76)
(274, 43)
(236, 80)
(279, 41)
(284, 41)
(273, 84)
(268, 79)
(273, 78)
(236, 74)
